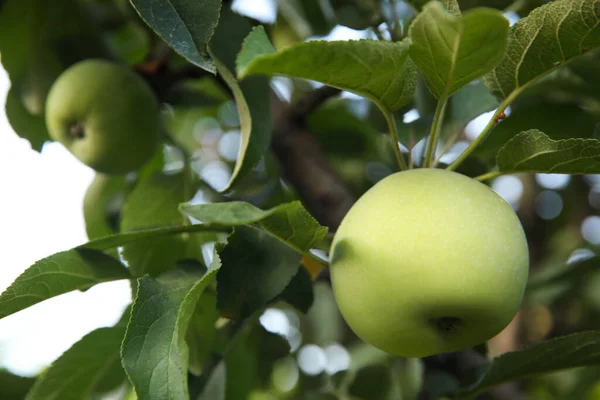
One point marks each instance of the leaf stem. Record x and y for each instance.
(297, 249)
(447, 146)
(393, 132)
(120, 239)
(434, 135)
(489, 175)
(486, 131)
(377, 33)
(188, 183)
(396, 32)
(516, 6)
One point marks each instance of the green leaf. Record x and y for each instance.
(341, 132)
(153, 203)
(215, 385)
(557, 121)
(251, 96)
(448, 49)
(250, 361)
(256, 268)
(101, 203)
(76, 269)
(533, 151)
(289, 222)
(548, 37)
(450, 5)
(299, 292)
(201, 331)
(76, 373)
(13, 387)
(130, 42)
(576, 350)
(186, 25)
(155, 354)
(26, 125)
(578, 272)
(358, 14)
(471, 101)
(81, 268)
(255, 44)
(204, 94)
(372, 382)
(206, 232)
(378, 70)
(556, 283)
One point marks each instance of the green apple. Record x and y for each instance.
(102, 203)
(105, 114)
(429, 261)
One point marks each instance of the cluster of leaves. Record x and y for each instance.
(192, 330)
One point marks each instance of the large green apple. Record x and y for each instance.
(429, 261)
(105, 114)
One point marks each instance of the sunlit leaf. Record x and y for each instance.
(76, 374)
(76, 269)
(533, 151)
(289, 222)
(154, 353)
(557, 121)
(548, 37)
(378, 70)
(448, 49)
(251, 96)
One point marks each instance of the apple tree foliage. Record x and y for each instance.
(205, 259)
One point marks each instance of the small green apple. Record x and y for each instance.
(105, 114)
(429, 261)
(102, 203)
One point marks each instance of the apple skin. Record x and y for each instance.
(429, 261)
(105, 114)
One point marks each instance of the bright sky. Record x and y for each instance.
(40, 214)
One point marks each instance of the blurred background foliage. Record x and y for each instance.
(320, 358)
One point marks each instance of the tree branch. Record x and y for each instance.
(313, 100)
(303, 163)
